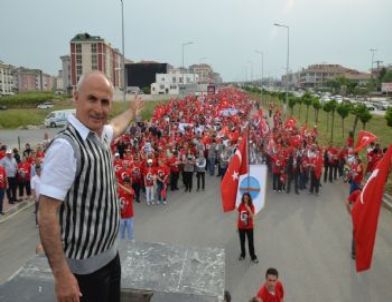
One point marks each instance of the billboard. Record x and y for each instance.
(386, 87)
(211, 89)
(143, 74)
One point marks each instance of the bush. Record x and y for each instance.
(27, 100)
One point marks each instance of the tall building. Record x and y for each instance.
(66, 73)
(317, 75)
(6, 79)
(28, 79)
(205, 74)
(94, 53)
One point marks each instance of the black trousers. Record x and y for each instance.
(136, 187)
(174, 180)
(249, 234)
(293, 177)
(11, 191)
(22, 185)
(200, 178)
(188, 180)
(104, 285)
(314, 183)
(276, 183)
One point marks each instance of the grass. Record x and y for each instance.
(377, 125)
(21, 117)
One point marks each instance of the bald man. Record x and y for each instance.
(79, 213)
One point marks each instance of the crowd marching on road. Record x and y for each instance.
(195, 136)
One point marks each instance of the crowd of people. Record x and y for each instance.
(195, 136)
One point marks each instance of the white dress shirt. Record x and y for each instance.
(59, 169)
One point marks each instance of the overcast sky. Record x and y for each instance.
(225, 33)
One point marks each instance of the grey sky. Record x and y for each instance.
(35, 33)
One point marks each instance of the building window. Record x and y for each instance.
(78, 59)
(79, 70)
(174, 79)
(188, 80)
(94, 61)
(180, 80)
(78, 47)
(94, 48)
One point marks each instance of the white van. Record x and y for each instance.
(58, 118)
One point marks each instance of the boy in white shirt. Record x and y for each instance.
(35, 183)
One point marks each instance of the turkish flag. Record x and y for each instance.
(364, 138)
(238, 166)
(366, 211)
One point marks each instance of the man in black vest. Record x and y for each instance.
(79, 213)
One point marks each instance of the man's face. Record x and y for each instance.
(94, 102)
(271, 282)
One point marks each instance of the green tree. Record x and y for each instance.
(387, 78)
(316, 106)
(356, 111)
(365, 116)
(332, 104)
(343, 109)
(307, 100)
(327, 109)
(388, 116)
(299, 102)
(292, 103)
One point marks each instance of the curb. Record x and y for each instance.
(16, 209)
(387, 201)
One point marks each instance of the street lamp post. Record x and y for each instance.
(287, 62)
(262, 72)
(373, 50)
(183, 52)
(123, 51)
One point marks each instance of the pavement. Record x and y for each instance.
(306, 238)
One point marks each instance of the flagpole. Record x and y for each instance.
(248, 152)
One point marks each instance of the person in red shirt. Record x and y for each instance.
(149, 176)
(352, 198)
(272, 290)
(3, 186)
(23, 178)
(163, 172)
(126, 196)
(137, 177)
(245, 226)
(174, 164)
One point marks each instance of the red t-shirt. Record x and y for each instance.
(163, 173)
(122, 173)
(126, 200)
(24, 171)
(117, 164)
(3, 177)
(136, 173)
(245, 221)
(267, 296)
(2, 154)
(149, 174)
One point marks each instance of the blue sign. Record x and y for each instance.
(251, 185)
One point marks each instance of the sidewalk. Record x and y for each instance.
(12, 209)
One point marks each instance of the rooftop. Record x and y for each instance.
(86, 37)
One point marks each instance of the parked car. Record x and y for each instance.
(45, 105)
(3, 107)
(370, 106)
(58, 118)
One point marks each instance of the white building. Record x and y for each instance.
(6, 79)
(66, 73)
(174, 83)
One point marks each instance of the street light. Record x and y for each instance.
(123, 51)
(287, 62)
(262, 71)
(373, 50)
(183, 50)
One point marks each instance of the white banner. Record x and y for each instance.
(256, 184)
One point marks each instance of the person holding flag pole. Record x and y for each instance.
(229, 187)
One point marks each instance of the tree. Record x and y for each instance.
(292, 103)
(356, 111)
(365, 116)
(299, 102)
(387, 78)
(388, 116)
(343, 110)
(307, 100)
(316, 106)
(327, 109)
(332, 104)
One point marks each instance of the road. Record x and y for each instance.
(9, 137)
(308, 239)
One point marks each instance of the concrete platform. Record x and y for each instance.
(170, 273)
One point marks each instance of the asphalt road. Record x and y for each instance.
(306, 238)
(9, 137)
